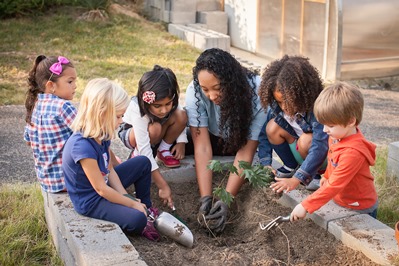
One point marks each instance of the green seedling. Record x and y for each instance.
(257, 176)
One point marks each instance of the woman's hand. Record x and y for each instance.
(178, 150)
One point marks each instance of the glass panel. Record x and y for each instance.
(370, 29)
(314, 33)
(269, 28)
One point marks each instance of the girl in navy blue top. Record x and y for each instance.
(97, 189)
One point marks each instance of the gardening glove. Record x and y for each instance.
(206, 205)
(217, 217)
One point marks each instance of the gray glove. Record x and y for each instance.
(206, 205)
(217, 217)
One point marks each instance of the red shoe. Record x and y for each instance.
(168, 161)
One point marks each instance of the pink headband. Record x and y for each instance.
(56, 68)
(149, 97)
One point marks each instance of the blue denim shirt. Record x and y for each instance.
(308, 123)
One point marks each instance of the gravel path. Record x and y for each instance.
(380, 124)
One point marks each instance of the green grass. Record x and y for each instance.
(23, 231)
(387, 190)
(121, 49)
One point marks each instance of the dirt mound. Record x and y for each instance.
(243, 242)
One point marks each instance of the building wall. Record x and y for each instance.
(242, 23)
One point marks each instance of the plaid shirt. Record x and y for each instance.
(47, 134)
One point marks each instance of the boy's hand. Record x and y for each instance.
(299, 212)
(285, 184)
(178, 150)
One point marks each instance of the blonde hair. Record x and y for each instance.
(101, 100)
(338, 104)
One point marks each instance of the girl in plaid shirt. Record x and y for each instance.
(49, 115)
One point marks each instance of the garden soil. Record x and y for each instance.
(243, 242)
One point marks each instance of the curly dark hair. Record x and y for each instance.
(237, 95)
(298, 81)
(38, 76)
(163, 82)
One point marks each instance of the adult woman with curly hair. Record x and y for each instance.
(225, 118)
(289, 88)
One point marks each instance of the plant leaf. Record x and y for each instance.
(215, 166)
(223, 195)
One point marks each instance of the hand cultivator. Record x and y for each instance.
(274, 223)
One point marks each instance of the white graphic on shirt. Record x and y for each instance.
(105, 175)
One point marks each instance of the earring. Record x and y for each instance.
(53, 90)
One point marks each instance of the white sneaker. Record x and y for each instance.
(313, 185)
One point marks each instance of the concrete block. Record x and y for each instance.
(215, 20)
(203, 38)
(200, 26)
(208, 5)
(165, 17)
(393, 159)
(182, 17)
(157, 3)
(176, 30)
(183, 5)
(81, 240)
(368, 235)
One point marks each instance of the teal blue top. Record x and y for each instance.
(208, 113)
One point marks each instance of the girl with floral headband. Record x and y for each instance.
(154, 125)
(49, 115)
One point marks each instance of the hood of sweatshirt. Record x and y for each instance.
(357, 141)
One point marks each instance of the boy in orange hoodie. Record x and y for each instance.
(347, 180)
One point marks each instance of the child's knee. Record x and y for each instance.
(181, 117)
(155, 133)
(304, 143)
(272, 128)
(137, 224)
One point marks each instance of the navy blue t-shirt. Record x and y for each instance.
(80, 190)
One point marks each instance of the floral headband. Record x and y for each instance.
(149, 97)
(56, 68)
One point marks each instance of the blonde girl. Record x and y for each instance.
(96, 188)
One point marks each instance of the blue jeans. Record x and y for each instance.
(135, 171)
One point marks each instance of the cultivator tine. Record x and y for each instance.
(274, 223)
(270, 225)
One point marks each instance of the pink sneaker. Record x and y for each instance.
(150, 232)
(168, 161)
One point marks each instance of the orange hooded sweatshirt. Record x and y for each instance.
(349, 181)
